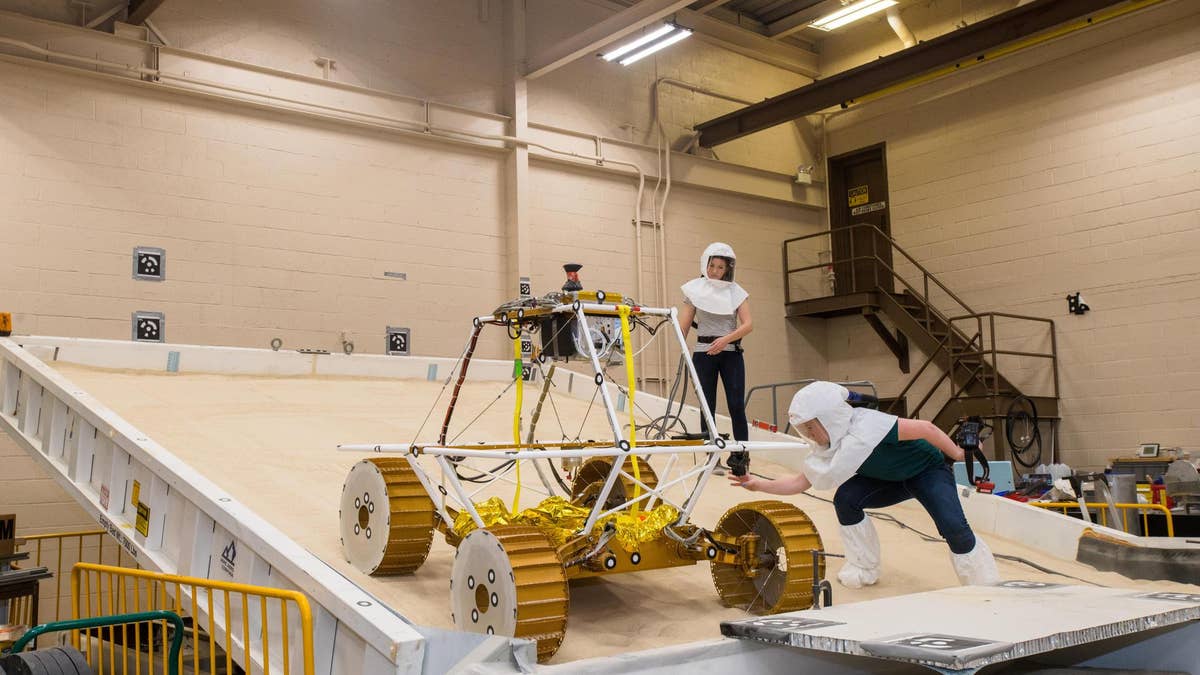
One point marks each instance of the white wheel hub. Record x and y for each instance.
(364, 517)
(483, 591)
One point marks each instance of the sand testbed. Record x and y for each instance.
(270, 442)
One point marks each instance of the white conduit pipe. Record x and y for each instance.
(391, 121)
(660, 208)
(897, 24)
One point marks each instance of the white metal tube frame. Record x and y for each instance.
(621, 446)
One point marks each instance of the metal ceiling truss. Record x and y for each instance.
(951, 49)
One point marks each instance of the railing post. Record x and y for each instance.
(995, 355)
(853, 261)
(787, 277)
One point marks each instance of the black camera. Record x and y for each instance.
(969, 431)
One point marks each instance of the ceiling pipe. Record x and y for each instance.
(897, 24)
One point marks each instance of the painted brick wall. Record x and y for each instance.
(448, 51)
(1080, 173)
(272, 227)
(38, 502)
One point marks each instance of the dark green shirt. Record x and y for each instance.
(897, 460)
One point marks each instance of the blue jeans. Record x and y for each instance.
(933, 487)
(731, 366)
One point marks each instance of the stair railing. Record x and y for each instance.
(994, 352)
(974, 344)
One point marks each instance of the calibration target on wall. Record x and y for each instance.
(149, 263)
(398, 341)
(148, 326)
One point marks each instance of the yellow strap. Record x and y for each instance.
(623, 310)
(517, 372)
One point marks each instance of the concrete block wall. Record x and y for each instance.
(272, 227)
(448, 51)
(1079, 172)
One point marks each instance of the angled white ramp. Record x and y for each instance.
(970, 628)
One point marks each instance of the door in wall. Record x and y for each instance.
(859, 220)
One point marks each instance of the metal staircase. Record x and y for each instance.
(965, 348)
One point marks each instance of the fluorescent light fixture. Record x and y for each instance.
(645, 39)
(661, 44)
(850, 13)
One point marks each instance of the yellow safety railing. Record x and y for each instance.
(257, 617)
(1102, 507)
(58, 552)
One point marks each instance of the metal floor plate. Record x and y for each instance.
(967, 628)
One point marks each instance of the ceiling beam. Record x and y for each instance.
(798, 21)
(140, 10)
(711, 5)
(769, 16)
(944, 50)
(609, 30)
(749, 43)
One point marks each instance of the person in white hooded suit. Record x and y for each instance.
(718, 306)
(877, 460)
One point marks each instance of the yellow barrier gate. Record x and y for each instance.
(1125, 508)
(260, 625)
(58, 552)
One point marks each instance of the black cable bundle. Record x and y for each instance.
(1016, 418)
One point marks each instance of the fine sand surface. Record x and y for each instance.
(269, 441)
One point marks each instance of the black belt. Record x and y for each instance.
(709, 339)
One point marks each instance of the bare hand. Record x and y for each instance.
(751, 483)
(718, 346)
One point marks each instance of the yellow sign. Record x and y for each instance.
(142, 525)
(135, 493)
(858, 195)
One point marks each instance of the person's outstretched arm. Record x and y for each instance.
(788, 485)
(911, 430)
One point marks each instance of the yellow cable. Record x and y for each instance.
(517, 372)
(623, 311)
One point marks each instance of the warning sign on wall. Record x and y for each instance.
(858, 195)
(142, 523)
(868, 208)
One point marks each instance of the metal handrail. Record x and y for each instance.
(775, 395)
(991, 317)
(926, 273)
(75, 553)
(233, 600)
(76, 625)
(1103, 506)
(954, 357)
